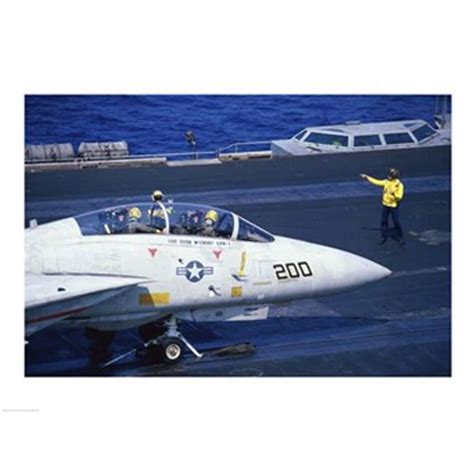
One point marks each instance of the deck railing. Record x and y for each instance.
(238, 147)
(242, 147)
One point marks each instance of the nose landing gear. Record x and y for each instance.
(172, 349)
(173, 338)
(161, 341)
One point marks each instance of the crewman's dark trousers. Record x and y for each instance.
(386, 212)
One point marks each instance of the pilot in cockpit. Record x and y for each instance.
(134, 224)
(210, 221)
(188, 222)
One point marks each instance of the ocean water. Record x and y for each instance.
(157, 123)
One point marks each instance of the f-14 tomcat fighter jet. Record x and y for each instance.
(149, 265)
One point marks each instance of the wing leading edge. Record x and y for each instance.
(51, 298)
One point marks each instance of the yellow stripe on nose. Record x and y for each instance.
(153, 299)
(243, 264)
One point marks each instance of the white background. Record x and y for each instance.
(216, 425)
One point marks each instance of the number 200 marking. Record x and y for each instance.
(292, 270)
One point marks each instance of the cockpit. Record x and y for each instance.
(171, 218)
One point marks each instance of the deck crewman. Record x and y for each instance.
(157, 211)
(393, 190)
(157, 196)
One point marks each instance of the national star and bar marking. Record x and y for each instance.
(194, 271)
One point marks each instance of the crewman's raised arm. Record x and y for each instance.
(377, 182)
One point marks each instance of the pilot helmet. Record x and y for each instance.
(393, 173)
(157, 195)
(211, 216)
(134, 213)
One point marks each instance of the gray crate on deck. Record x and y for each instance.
(103, 150)
(52, 152)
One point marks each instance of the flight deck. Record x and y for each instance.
(398, 326)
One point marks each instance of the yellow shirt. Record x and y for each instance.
(392, 190)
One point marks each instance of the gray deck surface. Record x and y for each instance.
(400, 326)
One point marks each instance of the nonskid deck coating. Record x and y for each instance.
(408, 313)
(47, 210)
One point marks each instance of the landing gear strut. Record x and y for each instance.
(161, 342)
(167, 343)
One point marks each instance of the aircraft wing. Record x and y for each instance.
(51, 298)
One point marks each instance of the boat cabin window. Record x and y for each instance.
(423, 132)
(367, 140)
(300, 135)
(397, 138)
(252, 233)
(327, 139)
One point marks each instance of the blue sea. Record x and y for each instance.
(157, 123)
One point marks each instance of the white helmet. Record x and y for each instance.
(157, 195)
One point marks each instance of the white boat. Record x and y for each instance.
(356, 136)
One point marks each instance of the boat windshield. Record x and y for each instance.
(170, 218)
(327, 139)
(423, 132)
(300, 135)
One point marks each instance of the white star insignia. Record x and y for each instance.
(194, 272)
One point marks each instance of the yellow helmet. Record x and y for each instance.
(212, 215)
(157, 195)
(134, 213)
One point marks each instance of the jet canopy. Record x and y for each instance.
(171, 218)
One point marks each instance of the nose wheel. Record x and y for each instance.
(169, 345)
(161, 342)
(172, 349)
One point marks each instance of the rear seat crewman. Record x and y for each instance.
(393, 191)
(134, 224)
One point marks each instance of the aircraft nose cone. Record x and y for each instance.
(368, 271)
(344, 270)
